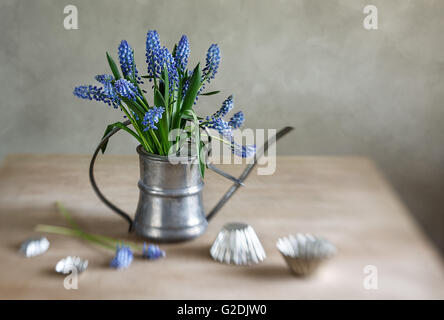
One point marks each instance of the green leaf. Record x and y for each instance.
(67, 216)
(148, 77)
(135, 107)
(131, 132)
(201, 163)
(167, 87)
(133, 71)
(195, 84)
(107, 130)
(164, 122)
(113, 66)
(177, 104)
(188, 117)
(209, 93)
(174, 51)
(120, 125)
(158, 99)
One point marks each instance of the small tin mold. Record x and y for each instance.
(237, 243)
(304, 252)
(68, 264)
(34, 247)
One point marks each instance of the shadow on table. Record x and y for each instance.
(267, 271)
(189, 250)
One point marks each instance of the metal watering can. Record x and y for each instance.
(170, 207)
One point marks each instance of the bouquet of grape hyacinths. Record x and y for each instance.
(171, 108)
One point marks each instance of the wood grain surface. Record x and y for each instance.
(345, 200)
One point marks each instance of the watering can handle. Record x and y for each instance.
(108, 203)
(238, 182)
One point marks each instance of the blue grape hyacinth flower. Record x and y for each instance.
(108, 89)
(219, 125)
(182, 52)
(126, 89)
(90, 92)
(123, 257)
(212, 62)
(237, 120)
(152, 53)
(227, 105)
(211, 67)
(152, 117)
(126, 58)
(104, 78)
(152, 252)
(159, 59)
(168, 64)
(244, 151)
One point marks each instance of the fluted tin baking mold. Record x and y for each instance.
(68, 264)
(237, 243)
(304, 252)
(34, 247)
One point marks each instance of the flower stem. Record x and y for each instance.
(156, 141)
(104, 241)
(216, 138)
(134, 123)
(74, 233)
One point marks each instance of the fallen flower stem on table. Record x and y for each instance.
(75, 231)
(95, 238)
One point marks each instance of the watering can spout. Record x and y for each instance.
(239, 181)
(159, 194)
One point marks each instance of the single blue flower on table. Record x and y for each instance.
(123, 257)
(182, 53)
(126, 89)
(227, 105)
(126, 58)
(152, 116)
(237, 120)
(152, 252)
(152, 53)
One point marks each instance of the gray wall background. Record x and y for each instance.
(305, 63)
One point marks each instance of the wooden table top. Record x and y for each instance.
(345, 200)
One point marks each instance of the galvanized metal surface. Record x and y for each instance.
(170, 204)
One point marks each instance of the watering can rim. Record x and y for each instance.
(141, 151)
